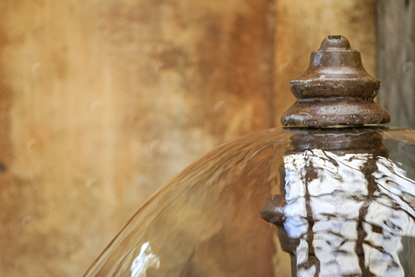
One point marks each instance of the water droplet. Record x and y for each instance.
(406, 66)
(36, 66)
(158, 66)
(90, 181)
(26, 219)
(154, 143)
(30, 143)
(94, 104)
(283, 66)
(218, 105)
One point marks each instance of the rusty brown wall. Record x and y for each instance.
(102, 102)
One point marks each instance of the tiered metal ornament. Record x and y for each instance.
(335, 89)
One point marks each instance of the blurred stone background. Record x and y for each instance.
(102, 102)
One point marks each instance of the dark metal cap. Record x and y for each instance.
(335, 90)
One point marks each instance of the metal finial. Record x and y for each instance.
(335, 89)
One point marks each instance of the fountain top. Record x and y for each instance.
(335, 90)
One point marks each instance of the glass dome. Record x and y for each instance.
(281, 202)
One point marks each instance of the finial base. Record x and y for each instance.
(327, 112)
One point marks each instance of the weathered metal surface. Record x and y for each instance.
(335, 89)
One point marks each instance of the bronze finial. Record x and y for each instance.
(335, 89)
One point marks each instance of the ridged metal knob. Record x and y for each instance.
(335, 90)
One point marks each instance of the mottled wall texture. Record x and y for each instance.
(102, 102)
(396, 59)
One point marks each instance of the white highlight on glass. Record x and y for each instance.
(143, 261)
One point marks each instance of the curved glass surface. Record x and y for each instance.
(346, 207)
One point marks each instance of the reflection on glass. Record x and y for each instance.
(143, 261)
(347, 213)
